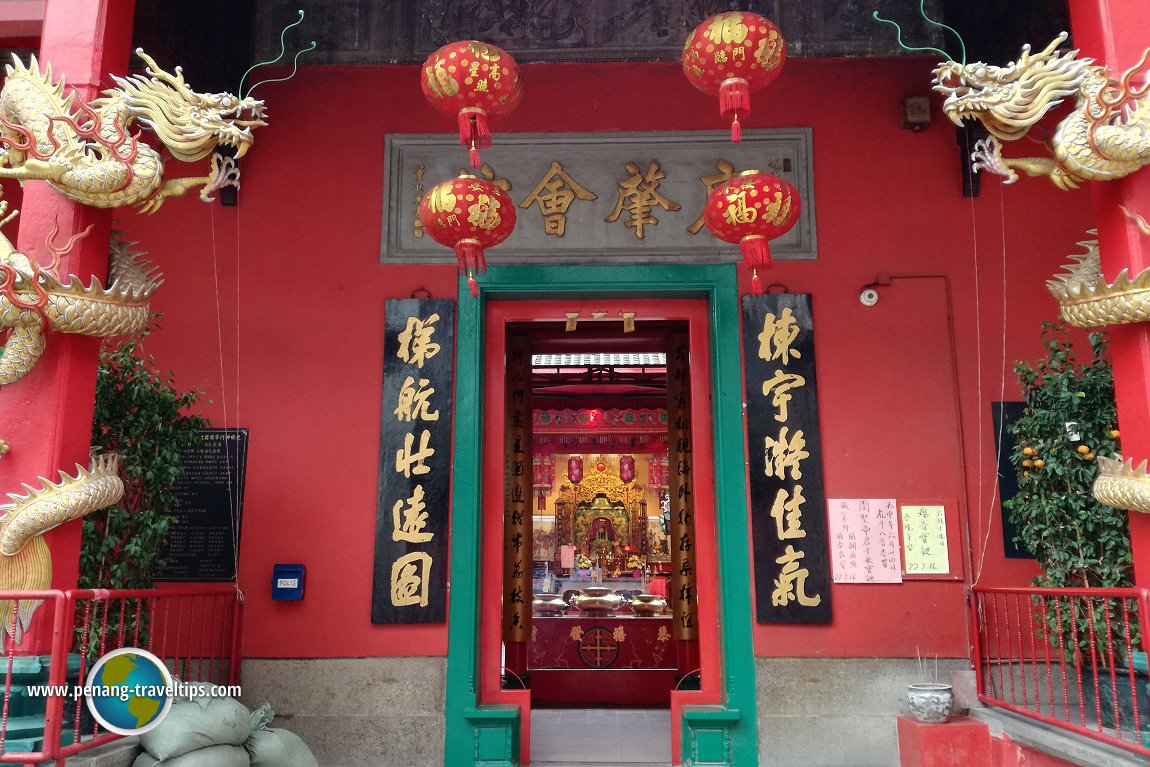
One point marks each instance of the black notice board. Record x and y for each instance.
(788, 503)
(203, 542)
(1004, 414)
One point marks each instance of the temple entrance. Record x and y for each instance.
(603, 495)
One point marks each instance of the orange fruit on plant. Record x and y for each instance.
(1039, 463)
(1083, 449)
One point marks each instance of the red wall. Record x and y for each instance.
(301, 300)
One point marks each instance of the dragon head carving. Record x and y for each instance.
(1008, 100)
(190, 124)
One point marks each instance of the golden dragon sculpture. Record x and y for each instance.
(87, 151)
(34, 300)
(1086, 300)
(25, 561)
(1106, 136)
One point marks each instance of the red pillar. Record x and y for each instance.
(1115, 33)
(46, 418)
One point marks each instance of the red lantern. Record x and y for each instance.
(575, 469)
(627, 468)
(472, 81)
(468, 214)
(751, 209)
(732, 54)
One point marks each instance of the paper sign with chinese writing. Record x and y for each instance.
(409, 580)
(788, 520)
(924, 540)
(864, 540)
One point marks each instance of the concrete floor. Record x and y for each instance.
(570, 736)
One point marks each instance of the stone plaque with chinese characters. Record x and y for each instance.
(409, 583)
(597, 197)
(788, 507)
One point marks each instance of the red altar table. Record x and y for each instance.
(622, 660)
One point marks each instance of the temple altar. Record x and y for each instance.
(613, 660)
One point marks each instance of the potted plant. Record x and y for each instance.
(1069, 416)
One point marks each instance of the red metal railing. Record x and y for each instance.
(1068, 657)
(195, 632)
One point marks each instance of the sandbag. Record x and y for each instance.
(212, 756)
(197, 724)
(275, 747)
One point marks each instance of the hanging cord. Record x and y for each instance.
(987, 519)
(233, 477)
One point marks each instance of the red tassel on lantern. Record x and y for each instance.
(474, 132)
(735, 97)
(756, 251)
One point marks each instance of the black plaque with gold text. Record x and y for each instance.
(409, 581)
(788, 507)
(203, 540)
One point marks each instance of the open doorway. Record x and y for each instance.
(489, 723)
(603, 653)
(603, 490)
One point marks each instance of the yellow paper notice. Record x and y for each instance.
(924, 540)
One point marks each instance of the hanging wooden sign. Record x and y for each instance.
(409, 583)
(788, 507)
(680, 458)
(517, 478)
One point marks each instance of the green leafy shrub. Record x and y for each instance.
(143, 418)
(1069, 417)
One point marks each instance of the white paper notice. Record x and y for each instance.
(864, 540)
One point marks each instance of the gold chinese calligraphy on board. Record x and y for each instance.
(604, 197)
(788, 514)
(409, 583)
(680, 459)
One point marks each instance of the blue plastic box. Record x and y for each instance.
(287, 582)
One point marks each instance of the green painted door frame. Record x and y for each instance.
(719, 735)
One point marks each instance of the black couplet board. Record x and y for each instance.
(203, 542)
(788, 505)
(409, 578)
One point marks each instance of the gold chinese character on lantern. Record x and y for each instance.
(554, 194)
(638, 194)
